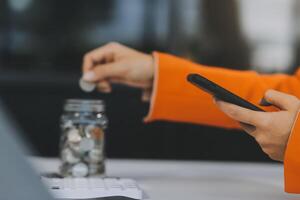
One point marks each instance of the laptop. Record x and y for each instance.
(17, 179)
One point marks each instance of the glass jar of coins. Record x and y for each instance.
(82, 141)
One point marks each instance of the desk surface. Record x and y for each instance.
(172, 180)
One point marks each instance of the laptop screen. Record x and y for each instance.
(17, 179)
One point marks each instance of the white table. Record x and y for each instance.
(180, 180)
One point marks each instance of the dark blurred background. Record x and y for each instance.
(42, 44)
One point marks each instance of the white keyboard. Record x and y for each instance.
(85, 188)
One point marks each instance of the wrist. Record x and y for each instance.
(147, 92)
(150, 71)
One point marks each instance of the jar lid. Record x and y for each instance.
(84, 105)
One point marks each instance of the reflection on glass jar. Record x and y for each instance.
(82, 141)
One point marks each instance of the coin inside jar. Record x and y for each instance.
(74, 147)
(97, 133)
(86, 86)
(94, 131)
(80, 170)
(74, 136)
(86, 144)
(69, 157)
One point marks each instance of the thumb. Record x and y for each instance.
(281, 100)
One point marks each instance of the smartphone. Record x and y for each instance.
(220, 92)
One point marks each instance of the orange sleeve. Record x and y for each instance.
(174, 99)
(292, 160)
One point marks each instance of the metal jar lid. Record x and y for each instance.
(84, 105)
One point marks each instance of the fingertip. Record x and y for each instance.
(269, 94)
(107, 90)
(104, 87)
(220, 104)
(89, 76)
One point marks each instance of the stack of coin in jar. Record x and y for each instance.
(82, 145)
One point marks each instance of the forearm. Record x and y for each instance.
(174, 99)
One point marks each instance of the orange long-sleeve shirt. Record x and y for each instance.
(174, 99)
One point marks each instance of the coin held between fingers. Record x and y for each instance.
(86, 86)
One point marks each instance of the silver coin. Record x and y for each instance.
(68, 156)
(80, 170)
(86, 86)
(86, 144)
(74, 136)
(75, 147)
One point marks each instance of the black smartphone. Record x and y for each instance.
(220, 92)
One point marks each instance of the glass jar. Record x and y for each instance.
(82, 140)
